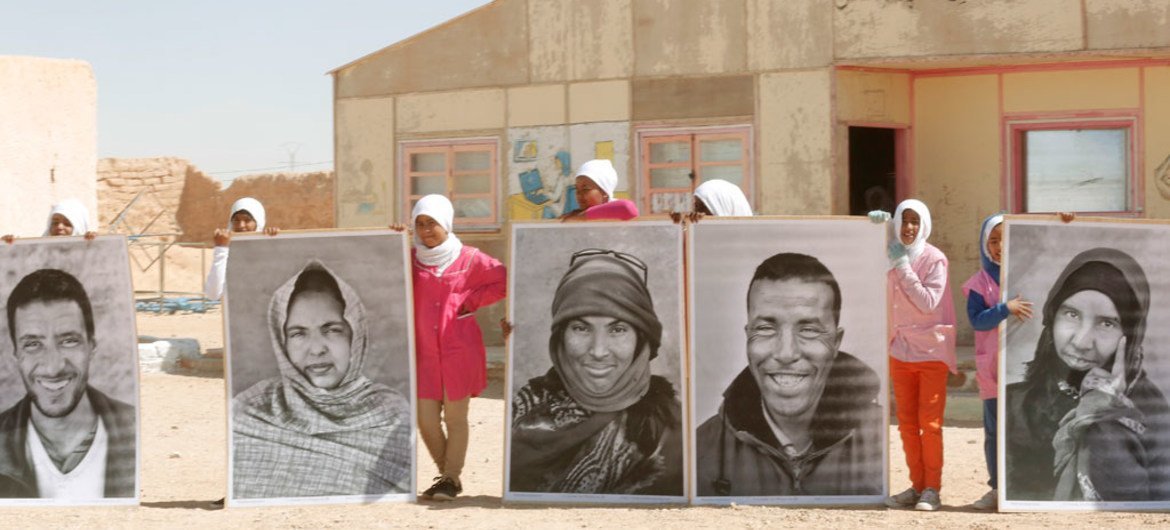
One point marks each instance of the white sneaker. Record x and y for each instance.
(905, 499)
(989, 501)
(928, 501)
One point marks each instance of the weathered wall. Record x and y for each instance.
(192, 204)
(1157, 145)
(1112, 88)
(364, 159)
(794, 166)
(675, 37)
(1127, 23)
(153, 185)
(909, 28)
(48, 140)
(571, 40)
(291, 201)
(786, 34)
(873, 97)
(957, 167)
(479, 49)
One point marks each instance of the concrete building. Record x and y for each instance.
(48, 140)
(812, 106)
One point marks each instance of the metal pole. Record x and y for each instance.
(162, 271)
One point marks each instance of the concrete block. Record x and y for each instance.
(451, 111)
(599, 101)
(536, 105)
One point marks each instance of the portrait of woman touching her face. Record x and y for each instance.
(1087, 423)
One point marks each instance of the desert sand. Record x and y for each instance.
(184, 469)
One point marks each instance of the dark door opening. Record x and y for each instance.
(873, 169)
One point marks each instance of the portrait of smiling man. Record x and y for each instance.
(802, 418)
(65, 439)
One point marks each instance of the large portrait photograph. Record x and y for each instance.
(1085, 422)
(596, 363)
(788, 361)
(320, 375)
(68, 373)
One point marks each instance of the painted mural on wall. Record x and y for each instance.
(1162, 178)
(361, 196)
(541, 162)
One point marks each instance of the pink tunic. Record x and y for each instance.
(619, 209)
(986, 342)
(921, 319)
(448, 343)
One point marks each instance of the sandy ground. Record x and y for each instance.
(184, 468)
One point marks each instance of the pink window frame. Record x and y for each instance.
(695, 136)
(1015, 127)
(450, 148)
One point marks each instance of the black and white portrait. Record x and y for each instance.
(596, 363)
(788, 350)
(1086, 423)
(68, 373)
(319, 337)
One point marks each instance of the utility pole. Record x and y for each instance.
(291, 149)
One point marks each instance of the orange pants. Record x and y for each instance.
(920, 395)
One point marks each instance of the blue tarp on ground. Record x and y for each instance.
(175, 305)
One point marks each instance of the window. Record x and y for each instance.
(674, 162)
(465, 171)
(1080, 166)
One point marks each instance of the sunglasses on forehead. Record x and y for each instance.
(641, 265)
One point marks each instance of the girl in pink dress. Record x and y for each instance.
(451, 281)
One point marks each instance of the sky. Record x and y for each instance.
(234, 87)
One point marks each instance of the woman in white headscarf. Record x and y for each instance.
(247, 215)
(596, 182)
(320, 427)
(66, 218)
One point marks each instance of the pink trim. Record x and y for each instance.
(1016, 125)
(1041, 67)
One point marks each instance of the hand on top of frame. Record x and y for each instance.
(1020, 308)
(878, 217)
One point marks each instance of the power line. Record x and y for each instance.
(285, 167)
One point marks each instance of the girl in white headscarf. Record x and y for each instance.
(451, 281)
(66, 218)
(596, 182)
(320, 427)
(719, 198)
(921, 322)
(247, 215)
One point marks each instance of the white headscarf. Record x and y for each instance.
(253, 207)
(915, 248)
(723, 198)
(74, 211)
(439, 208)
(602, 173)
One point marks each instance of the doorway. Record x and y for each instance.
(873, 169)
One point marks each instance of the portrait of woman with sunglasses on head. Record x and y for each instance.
(598, 421)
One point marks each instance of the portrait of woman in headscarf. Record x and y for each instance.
(1086, 423)
(320, 428)
(598, 421)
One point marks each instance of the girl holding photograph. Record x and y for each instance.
(66, 218)
(922, 349)
(451, 281)
(595, 183)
